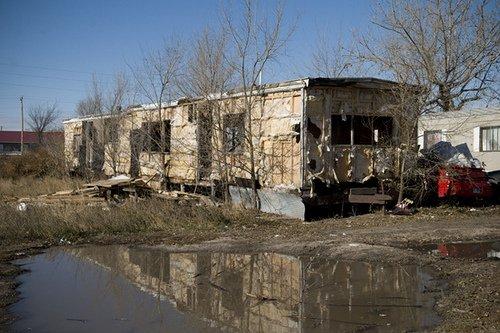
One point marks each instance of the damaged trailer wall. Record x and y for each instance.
(275, 136)
(352, 150)
(303, 133)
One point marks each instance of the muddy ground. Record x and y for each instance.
(469, 302)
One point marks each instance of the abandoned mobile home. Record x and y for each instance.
(307, 142)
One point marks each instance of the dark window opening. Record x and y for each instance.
(77, 142)
(361, 130)
(234, 127)
(191, 111)
(382, 131)
(153, 136)
(111, 131)
(341, 130)
(296, 130)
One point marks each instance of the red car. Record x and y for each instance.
(464, 183)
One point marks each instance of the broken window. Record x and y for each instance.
(191, 111)
(234, 127)
(362, 127)
(153, 138)
(77, 142)
(382, 131)
(111, 131)
(341, 130)
(361, 130)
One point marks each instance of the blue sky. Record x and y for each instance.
(49, 49)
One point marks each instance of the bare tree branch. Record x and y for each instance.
(41, 118)
(450, 48)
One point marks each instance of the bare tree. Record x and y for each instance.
(105, 104)
(208, 71)
(449, 48)
(333, 59)
(92, 104)
(208, 77)
(256, 38)
(443, 54)
(155, 78)
(113, 104)
(41, 118)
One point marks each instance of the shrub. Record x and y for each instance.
(36, 163)
(31, 186)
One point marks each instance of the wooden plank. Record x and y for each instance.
(63, 192)
(108, 183)
(378, 199)
(363, 191)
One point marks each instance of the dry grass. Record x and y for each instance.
(54, 222)
(33, 186)
(37, 172)
(42, 162)
(73, 222)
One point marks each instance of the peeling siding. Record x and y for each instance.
(338, 163)
(292, 138)
(276, 146)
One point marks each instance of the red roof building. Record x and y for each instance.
(10, 141)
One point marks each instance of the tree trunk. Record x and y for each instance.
(162, 148)
(401, 177)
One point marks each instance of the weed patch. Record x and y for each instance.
(33, 186)
(52, 223)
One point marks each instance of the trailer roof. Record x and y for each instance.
(362, 82)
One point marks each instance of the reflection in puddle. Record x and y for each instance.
(264, 292)
(467, 250)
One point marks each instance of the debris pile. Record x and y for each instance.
(184, 197)
(110, 190)
(403, 208)
(115, 190)
(448, 154)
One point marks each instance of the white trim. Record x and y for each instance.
(476, 143)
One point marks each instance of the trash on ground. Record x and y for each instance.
(115, 190)
(403, 208)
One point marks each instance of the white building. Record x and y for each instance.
(478, 128)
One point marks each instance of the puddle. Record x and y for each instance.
(489, 249)
(116, 289)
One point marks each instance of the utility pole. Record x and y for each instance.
(22, 125)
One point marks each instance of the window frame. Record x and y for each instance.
(152, 143)
(76, 143)
(238, 124)
(351, 120)
(481, 141)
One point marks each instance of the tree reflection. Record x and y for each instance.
(266, 292)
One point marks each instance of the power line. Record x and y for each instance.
(46, 77)
(53, 69)
(15, 98)
(34, 86)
